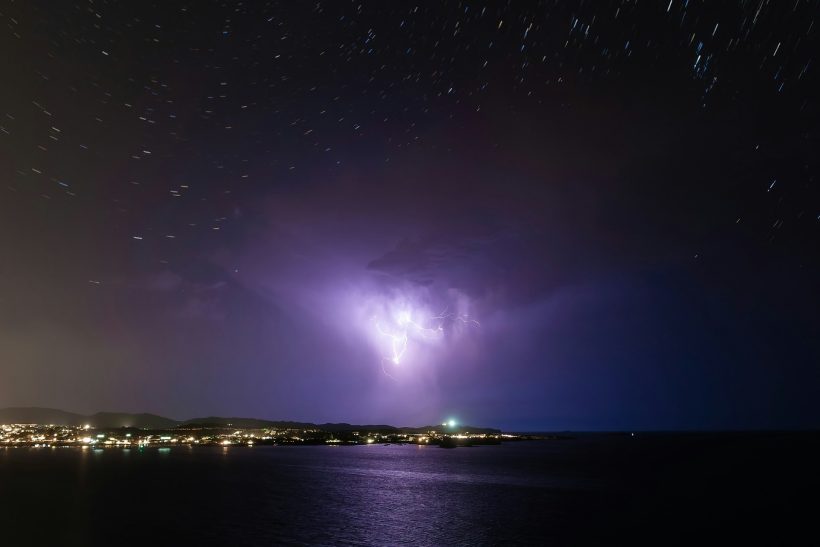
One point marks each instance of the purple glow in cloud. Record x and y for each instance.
(405, 325)
(409, 326)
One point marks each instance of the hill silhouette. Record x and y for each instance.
(113, 420)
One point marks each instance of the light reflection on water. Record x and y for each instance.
(269, 495)
(599, 489)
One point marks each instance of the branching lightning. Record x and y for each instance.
(463, 319)
(406, 326)
(398, 342)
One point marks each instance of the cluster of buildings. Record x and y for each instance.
(38, 435)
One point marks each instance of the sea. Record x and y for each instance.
(577, 489)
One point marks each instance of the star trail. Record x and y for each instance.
(261, 208)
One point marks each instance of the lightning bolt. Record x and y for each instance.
(463, 319)
(399, 338)
(398, 342)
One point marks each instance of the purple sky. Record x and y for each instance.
(219, 224)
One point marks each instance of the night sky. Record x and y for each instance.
(553, 215)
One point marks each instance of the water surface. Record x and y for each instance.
(593, 489)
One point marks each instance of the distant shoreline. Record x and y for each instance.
(228, 435)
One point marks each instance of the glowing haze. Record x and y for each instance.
(406, 327)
